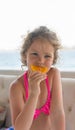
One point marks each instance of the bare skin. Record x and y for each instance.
(23, 111)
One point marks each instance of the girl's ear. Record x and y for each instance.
(25, 59)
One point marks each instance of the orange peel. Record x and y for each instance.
(39, 68)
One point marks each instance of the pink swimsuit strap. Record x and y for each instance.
(46, 107)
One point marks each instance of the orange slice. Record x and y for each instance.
(40, 69)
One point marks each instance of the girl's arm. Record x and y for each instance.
(22, 113)
(57, 115)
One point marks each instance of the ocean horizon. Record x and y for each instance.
(11, 60)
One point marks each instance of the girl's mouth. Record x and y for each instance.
(39, 68)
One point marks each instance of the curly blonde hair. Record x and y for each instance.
(40, 33)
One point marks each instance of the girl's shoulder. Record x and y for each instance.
(53, 75)
(53, 71)
(17, 85)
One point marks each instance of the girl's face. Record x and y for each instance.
(40, 53)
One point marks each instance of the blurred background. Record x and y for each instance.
(17, 17)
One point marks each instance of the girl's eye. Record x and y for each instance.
(47, 56)
(35, 54)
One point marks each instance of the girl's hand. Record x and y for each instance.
(34, 79)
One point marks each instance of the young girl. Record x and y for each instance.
(36, 96)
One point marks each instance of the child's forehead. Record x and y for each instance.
(41, 42)
(38, 45)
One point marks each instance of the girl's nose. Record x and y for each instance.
(41, 60)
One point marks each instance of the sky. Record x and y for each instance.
(17, 17)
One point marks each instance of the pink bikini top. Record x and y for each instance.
(46, 107)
